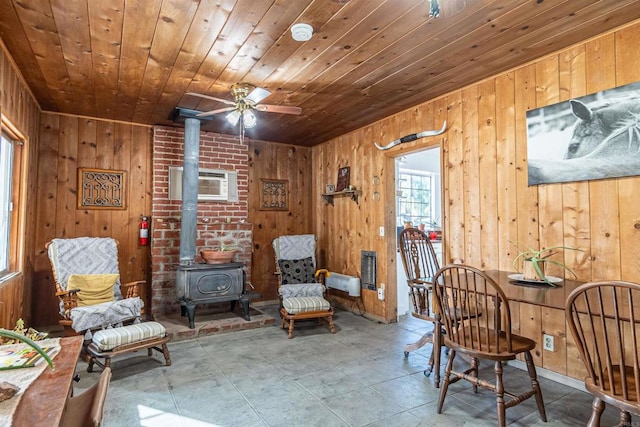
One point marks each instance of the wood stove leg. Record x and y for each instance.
(191, 312)
(245, 308)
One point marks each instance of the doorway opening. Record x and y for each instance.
(418, 204)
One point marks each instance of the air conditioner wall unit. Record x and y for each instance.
(213, 184)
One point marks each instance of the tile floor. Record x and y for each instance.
(357, 377)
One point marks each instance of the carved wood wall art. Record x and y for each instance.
(101, 189)
(274, 195)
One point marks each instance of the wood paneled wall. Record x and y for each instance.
(277, 161)
(486, 199)
(70, 142)
(19, 106)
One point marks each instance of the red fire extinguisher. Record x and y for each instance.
(144, 231)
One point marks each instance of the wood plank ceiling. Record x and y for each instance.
(135, 60)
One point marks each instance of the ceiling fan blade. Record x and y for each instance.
(279, 109)
(257, 95)
(212, 112)
(213, 98)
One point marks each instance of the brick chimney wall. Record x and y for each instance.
(219, 223)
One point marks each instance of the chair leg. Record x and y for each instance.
(500, 406)
(429, 369)
(436, 352)
(425, 339)
(531, 369)
(474, 372)
(597, 409)
(445, 381)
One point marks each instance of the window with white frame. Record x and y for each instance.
(6, 205)
(416, 202)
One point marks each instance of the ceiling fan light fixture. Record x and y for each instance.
(249, 119)
(301, 32)
(233, 117)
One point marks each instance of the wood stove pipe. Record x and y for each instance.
(188, 231)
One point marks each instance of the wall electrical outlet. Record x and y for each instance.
(381, 231)
(548, 342)
(381, 292)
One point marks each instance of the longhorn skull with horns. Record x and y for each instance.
(412, 137)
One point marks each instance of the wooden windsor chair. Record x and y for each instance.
(87, 408)
(420, 266)
(462, 294)
(604, 320)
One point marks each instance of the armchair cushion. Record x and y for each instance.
(297, 270)
(93, 288)
(302, 290)
(304, 304)
(105, 314)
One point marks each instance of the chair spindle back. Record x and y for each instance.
(604, 319)
(420, 265)
(467, 295)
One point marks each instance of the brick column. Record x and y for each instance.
(218, 223)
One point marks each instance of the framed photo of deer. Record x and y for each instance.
(596, 136)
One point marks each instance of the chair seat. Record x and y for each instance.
(108, 339)
(617, 381)
(483, 336)
(297, 305)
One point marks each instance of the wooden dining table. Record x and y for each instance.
(540, 294)
(43, 403)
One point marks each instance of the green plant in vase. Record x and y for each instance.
(531, 262)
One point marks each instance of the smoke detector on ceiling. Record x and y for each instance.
(301, 32)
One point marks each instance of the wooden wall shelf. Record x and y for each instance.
(352, 194)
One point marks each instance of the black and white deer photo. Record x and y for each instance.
(593, 137)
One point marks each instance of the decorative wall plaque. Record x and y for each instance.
(274, 195)
(343, 179)
(101, 189)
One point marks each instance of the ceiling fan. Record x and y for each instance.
(247, 98)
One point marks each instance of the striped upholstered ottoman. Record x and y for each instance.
(112, 342)
(303, 308)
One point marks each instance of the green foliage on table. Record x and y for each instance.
(16, 336)
(539, 256)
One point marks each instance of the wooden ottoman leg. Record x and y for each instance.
(291, 321)
(167, 357)
(107, 362)
(150, 352)
(332, 327)
(90, 367)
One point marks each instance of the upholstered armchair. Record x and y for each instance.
(300, 286)
(85, 271)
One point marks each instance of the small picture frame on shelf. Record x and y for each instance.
(343, 179)
(329, 188)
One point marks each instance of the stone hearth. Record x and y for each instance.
(214, 319)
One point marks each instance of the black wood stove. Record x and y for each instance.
(210, 283)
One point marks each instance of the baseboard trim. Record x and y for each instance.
(550, 375)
